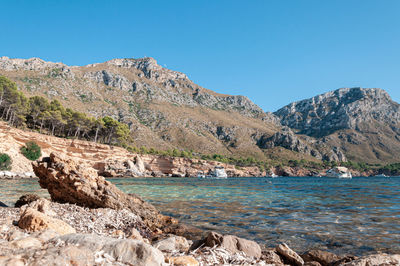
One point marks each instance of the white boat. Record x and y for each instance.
(339, 172)
(380, 175)
(217, 173)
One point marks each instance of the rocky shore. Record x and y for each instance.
(89, 221)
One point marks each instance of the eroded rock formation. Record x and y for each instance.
(69, 182)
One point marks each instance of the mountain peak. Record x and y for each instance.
(344, 108)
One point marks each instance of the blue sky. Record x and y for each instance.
(273, 51)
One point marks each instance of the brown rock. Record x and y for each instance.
(182, 261)
(289, 255)
(33, 220)
(26, 199)
(323, 257)
(233, 244)
(69, 182)
(270, 257)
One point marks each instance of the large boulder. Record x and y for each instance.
(33, 220)
(128, 251)
(70, 182)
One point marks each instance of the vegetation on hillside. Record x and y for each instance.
(5, 162)
(31, 151)
(38, 114)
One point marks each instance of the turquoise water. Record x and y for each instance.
(356, 216)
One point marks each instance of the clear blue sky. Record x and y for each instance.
(274, 52)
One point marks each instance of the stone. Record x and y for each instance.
(45, 235)
(233, 244)
(183, 261)
(270, 257)
(11, 261)
(375, 260)
(26, 199)
(42, 205)
(3, 205)
(27, 242)
(15, 235)
(60, 256)
(289, 255)
(33, 220)
(140, 164)
(134, 234)
(173, 243)
(128, 251)
(312, 263)
(323, 257)
(67, 181)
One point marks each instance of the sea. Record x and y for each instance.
(356, 216)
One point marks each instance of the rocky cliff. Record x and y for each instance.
(364, 123)
(108, 160)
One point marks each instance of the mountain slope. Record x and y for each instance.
(163, 108)
(364, 123)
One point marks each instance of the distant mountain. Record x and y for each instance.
(365, 123)
(165, 109)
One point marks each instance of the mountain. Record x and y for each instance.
(165, 109)
(364, 123)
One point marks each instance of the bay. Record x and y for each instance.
(354, 216)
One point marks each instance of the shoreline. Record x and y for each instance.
(94, 205)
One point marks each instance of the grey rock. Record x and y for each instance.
(376, 260)
(233, 244)
(344, 108)
(171, 244)
(128, 251)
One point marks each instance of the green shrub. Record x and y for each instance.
(31, 151)
(5, 162)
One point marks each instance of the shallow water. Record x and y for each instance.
(356, 216)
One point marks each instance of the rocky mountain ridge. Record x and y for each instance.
(165, 109)
(364, 123)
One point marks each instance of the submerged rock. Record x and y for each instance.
(69, 182)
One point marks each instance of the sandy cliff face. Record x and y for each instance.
(112, 161)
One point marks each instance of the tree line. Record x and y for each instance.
(38, 114)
